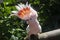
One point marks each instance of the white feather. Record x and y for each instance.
(27, 29)
(14, 12)
(17, 7)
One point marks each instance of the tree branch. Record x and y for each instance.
(51, 35)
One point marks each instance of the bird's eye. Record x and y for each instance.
(30, 18)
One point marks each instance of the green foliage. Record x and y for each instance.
(10, 26)
(13, 28)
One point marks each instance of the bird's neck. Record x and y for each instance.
(33, 23)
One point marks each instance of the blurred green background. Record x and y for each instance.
(13, 28)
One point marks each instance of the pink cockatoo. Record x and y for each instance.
(26, 12)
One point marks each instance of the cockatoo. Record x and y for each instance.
(26, 12)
